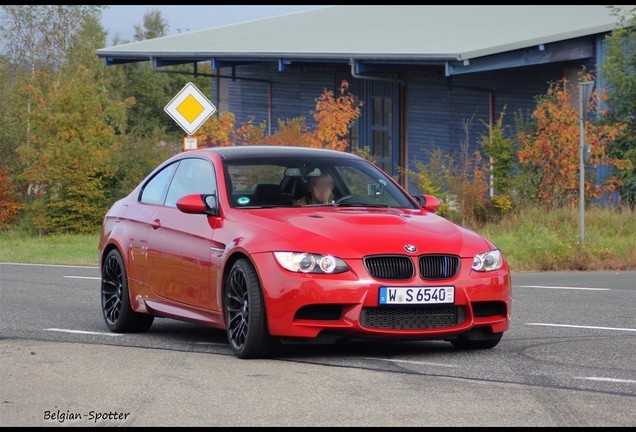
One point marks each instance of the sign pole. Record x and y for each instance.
(585, 90)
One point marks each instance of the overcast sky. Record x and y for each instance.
(122, 19)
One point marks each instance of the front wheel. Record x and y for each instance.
(482, 341)
(245, 317)
(116, 309)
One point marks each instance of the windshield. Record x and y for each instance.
(320, 181)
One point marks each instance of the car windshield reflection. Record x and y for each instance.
(267, 182)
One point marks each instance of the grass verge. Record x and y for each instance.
(67, 249)
(539, 240)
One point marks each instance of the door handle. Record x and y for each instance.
(155, 224)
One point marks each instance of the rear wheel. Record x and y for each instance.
(476, 341)
(245, 317)
(116, 309)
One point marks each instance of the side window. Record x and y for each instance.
(194, 176)
(155, 190)
(244, 177)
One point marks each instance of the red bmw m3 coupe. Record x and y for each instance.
(279, 244)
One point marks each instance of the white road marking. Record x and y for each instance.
(581, 326)
(211, 343)
(410, 361)
(83, 277)
(563, 287)
(82, 332)
(608, 379)
(47, 265)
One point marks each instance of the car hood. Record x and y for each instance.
(354, 232)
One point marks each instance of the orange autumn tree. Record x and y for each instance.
(217, 131)
(9, 204)
(333, 114)
(550, 149)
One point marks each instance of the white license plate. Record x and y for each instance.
(417, 295)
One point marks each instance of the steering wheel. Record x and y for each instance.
(344, 198)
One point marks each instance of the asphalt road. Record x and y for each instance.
(567, 360)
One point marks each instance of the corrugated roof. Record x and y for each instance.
(382, 32)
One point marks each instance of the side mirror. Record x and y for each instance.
(199, 204)
(428, 202)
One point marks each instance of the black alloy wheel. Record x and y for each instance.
(245, 316)
(116, 309)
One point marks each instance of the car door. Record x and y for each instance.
(152, 197)
(179, 244)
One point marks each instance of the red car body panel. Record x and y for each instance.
(356, 289)
(176, 261)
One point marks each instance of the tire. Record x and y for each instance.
(118, 315)
(484, 341)
(245, 317)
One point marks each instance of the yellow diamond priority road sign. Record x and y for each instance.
(190, 108)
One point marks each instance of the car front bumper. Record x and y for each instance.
(306, 305)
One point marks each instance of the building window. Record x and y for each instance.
(354, 136)
(381, 127)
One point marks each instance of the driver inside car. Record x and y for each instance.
(319, 190)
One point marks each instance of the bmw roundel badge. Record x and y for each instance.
(410, 248)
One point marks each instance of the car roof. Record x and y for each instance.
(240, 152)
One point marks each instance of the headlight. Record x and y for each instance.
(488, 261)
(301, 262)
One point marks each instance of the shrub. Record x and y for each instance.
(9, 204)
(551, 148)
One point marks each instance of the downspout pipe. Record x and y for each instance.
(354, 74)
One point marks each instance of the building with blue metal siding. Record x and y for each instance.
(428, 76)
(434, 111)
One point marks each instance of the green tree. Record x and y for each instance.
(154, 26)
(88, 37)
(500, 149)
(75, 125)
(432, 178)
(619, 70)
(152, 135)
(11, 128)
(35, 44)
(150, 89)
(39, 36)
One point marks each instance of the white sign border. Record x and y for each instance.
(190, 90)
